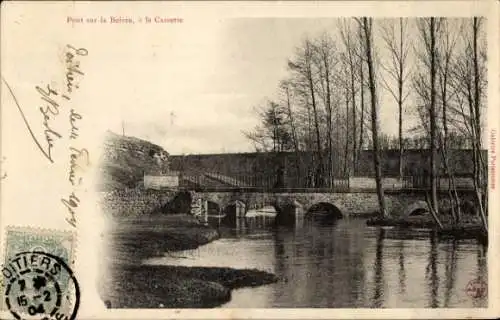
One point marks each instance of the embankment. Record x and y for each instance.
(131, 284)
(180, 287)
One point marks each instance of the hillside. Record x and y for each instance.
(125, 160)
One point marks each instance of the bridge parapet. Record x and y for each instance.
(348, 203)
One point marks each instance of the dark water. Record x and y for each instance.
(345, 264)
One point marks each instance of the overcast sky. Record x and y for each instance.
(190, 87)
(197, 94)
(194, 91)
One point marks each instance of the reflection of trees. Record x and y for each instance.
(482, 272)
(431, 273)
(402, 272)
(451, 270)
(323, 265)
(281, 259)
(379, 273)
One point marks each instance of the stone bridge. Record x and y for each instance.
(399, 203)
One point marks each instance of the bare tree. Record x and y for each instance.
(469, 79)
(326, 62)
(353, 61)
(285, 87)
(302, 68)
(396, 41)
(273, 133)
(429, 28)
(367, 26)
(362, 94)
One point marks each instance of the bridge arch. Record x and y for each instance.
(180, 203)
(213, 207)
(235, 208)
(326, 209)
(416, 208)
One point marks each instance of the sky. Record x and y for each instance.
(199, 94)
(189, 87)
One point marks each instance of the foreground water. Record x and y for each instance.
(344, 264)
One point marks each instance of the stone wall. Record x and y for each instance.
(133, 202)
(348, 203)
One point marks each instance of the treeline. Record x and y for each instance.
(324, 103)
(434, 69)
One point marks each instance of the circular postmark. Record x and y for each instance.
(40, 286)
(476, 289)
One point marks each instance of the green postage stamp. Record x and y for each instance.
(37, 275)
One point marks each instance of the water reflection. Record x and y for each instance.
(432, 274)
(450, 269)
(344, 264)
(379, 275)
(402, 272)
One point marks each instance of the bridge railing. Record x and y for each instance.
(262, 183)
(215, 180)
(444, 182)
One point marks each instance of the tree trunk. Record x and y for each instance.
(433, 126)
(346, 150)
(329, 121)
(353, 103)
(400, 97)
(316, 125)
(367, 25)
(481, 191)
(294, 138)
(362, 118)
(337, 143)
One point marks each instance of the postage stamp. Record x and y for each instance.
(37, 276)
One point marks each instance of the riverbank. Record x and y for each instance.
(154, 235)
(133, 285)
(150, 286)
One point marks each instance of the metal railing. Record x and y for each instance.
(215, 180)
(267, 183)
(444, 182)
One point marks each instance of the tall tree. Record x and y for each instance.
(367, 25)
(273, 133)
(448, 43)
(285, 86)
(469, 78)
(326, 62)
(352, 61)
(302, 67)
(427, 89)
(395, 37)
(433, 122)
(362, 96)
(481, 188)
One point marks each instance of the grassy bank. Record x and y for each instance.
(132, 285)
(154, 235)
(180, 287)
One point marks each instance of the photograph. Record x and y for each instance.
(249, 160)
(340, 163)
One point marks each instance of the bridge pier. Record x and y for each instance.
(299, 212)
(293, 206)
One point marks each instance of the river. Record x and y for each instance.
(344, 264)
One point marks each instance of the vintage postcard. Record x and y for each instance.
(249, 160)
